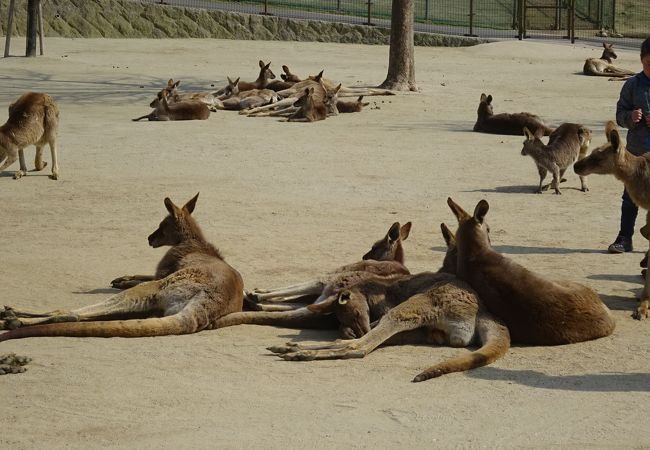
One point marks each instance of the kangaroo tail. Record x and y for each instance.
(163, 326)
(146, 116)
(495, 342)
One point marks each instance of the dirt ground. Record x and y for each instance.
(285, 202)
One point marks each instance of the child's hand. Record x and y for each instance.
(637, 115)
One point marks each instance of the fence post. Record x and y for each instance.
(32, 27)
(514, 14)
(426, 9)
(614, 16)
(10, 26)
(471, 19)
(369, 23)
(521, 9)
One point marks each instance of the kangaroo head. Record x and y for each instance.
(331, 97)
(390, 247)
(352, 311)
(608, 52)
(533, 140)
(449, 263)
(177, 226)
(304, 98)
(606, 158)
(473, 231)
(485, 106)
(265, 71)
(232, 89)
(288, 76)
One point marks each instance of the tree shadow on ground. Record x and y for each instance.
(599, 382)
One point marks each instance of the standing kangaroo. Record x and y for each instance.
(570, 141)
(505, 123)
(634, 171)
(33, 120)
(192, 288)
(430, 307)
(536, 310)
(603, 67)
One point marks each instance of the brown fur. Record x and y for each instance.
(603, 67)
(351, 107)
(536, 310)
(234, 100)
(444, 309)
(33, 120)
(570, 141)
(262, 80)
(192, 288)
(634, 171)
(310, 109)
(505, 123)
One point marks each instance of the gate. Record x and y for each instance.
(547, 16)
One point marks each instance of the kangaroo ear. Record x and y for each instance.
(450, 239)
(320, 75)
(285, 69)
(405, 230)
(261, 63)
(171, 208)
(615, 140)
(489, 99)
(530, 136)
(539, 132)
(481, 210)
(393, 232)
(170, 82)
(266, 66)
(359, 99)
(177, 84)
(459, 212)
(324, 307)
(191, 204)
(338, 88)
(237, 81)
(483, 97)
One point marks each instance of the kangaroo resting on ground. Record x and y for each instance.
(566, 143)
(33, 120)
(192, 288)
(536, 310)
(505, 123)
(634, 171)
(442, 308)
(603, 66)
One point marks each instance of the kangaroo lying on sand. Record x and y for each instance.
(234, 100)
(33, 120)
(634, 172)
(288, 80)
(536, 310)
(603, 66)
(568, 142)
(351, 107)
(180, 110)
(442, 308)
(262, 80)
(192, 288)
(505, 123)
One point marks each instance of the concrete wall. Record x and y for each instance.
(129, 19)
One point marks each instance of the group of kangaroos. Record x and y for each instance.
(297, 100)
(478, 296)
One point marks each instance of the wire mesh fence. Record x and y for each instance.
(622, 21)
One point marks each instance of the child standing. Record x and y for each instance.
(633, 113)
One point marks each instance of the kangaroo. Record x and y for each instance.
(634, 171)
(537, 311)
(384, 260)
(288, 80)
(262, 81)
(165, 110)
(234, 100)
(429, 307)
(192, 288)
(33, 120)
(351, 107)
(570, 141)
(603, 67)
(309, 108)
(388, 251)
(505, 123)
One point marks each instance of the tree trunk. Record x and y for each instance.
(401, 60)
(32, 28)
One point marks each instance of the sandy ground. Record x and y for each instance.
(285, 202)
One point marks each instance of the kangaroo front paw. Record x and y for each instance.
(642, 310)
(124, 282)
